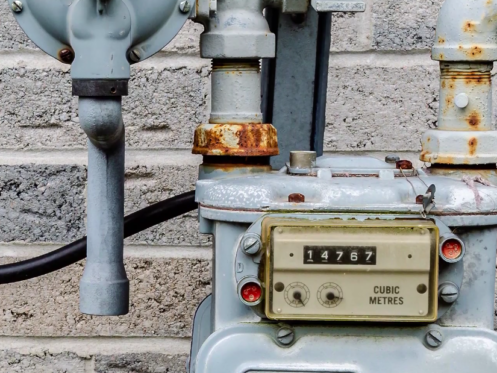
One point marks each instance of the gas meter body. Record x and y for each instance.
(344, 269)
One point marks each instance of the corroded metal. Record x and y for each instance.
(465, 133)
(243, 140)
(473, 81)
(466, 31)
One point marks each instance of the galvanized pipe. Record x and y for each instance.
(465, 96)
(466, 31)
(104, 287)
(466, 46)
(236, 91)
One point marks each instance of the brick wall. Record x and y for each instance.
(383, 92)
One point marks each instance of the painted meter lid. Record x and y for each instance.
(366, 186)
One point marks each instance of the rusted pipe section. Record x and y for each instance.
(466, 46)
(236, 39)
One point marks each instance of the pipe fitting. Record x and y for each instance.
(466, 46)
(239, 30)
(466, 31)
(104, 287)
(101, 119)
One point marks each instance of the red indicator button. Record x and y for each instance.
(452, 249)
(251, 292)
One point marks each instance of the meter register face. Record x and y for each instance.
(339, 270)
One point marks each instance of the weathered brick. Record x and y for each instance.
(350, 31)
(42, 203)
(164, 297)
(380, 108)
(15, 362)
(140, 363)
(11, 35)
(404, 24)
(163, 109)
(46, 203)
(13, 38)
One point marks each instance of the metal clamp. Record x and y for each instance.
(338, 6)
(428, 200)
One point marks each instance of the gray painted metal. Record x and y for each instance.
(348, 349)
(243, 340)
(294, 84)
(234, 29)
(201, 330)
(466, 46)
(349, 194)
(104, 287)
(101, 33)
(466, 31)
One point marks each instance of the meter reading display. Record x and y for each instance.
(350, 255)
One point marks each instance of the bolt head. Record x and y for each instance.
(251, 244)
(17, 6)
(461, 100)
(185, 7)
(66, 55)
(134, 55)
(285, 336)
(448, 292)
(434, 338)
(392, 158)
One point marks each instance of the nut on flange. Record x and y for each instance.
(242, 140)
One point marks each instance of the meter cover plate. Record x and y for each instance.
(351, 270)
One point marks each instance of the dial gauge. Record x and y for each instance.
(297, 294)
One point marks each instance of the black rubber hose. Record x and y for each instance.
(76, 251)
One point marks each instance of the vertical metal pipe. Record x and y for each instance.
(104, 287)
(236, 91)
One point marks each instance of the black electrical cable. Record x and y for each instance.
(76, 251)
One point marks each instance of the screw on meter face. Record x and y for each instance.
(297, 294)
(330, 295)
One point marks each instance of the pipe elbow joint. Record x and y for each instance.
(466, 31)
(101, 119)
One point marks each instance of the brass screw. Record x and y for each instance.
(134, 55)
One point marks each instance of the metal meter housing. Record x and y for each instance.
(340, 270)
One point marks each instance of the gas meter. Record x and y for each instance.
(322, 263)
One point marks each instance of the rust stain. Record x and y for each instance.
(473, 144)
(475, 52)
(445, 160)
(296, 198)
(404, 165)
(470, 78)
(441, 40)
(469, 26)
(449, 102)
(428, 139)
(247, 139)
(419, 200)
(474, 119)
(441, 56)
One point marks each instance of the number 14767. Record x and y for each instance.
(355, 255)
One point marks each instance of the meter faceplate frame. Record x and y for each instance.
(270, 223)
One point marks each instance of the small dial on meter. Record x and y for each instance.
(297, 294)
(330, 295)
